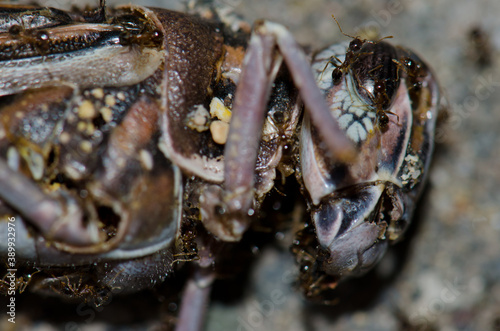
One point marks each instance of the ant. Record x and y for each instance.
(375, 68)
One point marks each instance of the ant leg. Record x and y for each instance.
(332, 63)
(401, 66)
(377, 67)
(397, 116)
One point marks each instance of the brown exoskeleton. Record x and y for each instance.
(136, 137)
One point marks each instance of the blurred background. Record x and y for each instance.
(445, 275)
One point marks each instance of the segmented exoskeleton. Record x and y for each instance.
(134, 137)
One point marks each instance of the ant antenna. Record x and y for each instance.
(386, 37)
(340, 28)
(350, 36)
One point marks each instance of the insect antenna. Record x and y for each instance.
(340, 28)
(386, 37)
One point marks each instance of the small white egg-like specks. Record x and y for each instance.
(86, 110)
(146, 159)
(98, 93)
(64, 138)
(110, 100)
(81, 126)
(198, 119)
(121, 96)
(219, 110)
(412, 169)
(219, 131)
(106, 113)
(86, 146)
(411, 158)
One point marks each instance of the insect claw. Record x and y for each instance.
(225, 213)
(54, 219)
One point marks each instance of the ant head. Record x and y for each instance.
(380, 94)
(379, 86)
(413, 67)
(356, 44)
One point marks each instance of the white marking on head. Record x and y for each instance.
(356, 132)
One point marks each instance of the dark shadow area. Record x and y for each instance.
(274, 217)
(234, 272)
(123, 312)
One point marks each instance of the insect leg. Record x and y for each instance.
(231, 206)
(195, 299)
(46, 213)
(260, 67)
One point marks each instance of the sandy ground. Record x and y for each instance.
(445, 274)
